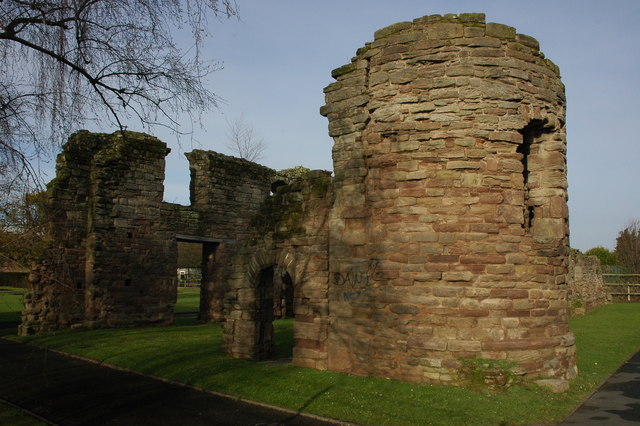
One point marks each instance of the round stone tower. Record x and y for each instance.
(449, 230)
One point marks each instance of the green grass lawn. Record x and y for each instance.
(11, 301)
(188, 300)
(10, 415)
(190, 353)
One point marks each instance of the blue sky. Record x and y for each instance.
(278, 57)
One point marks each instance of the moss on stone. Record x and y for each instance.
(320, 187)
(345, 69)
(294, 173)
(364, 49)
(490, 374)
(391, 29)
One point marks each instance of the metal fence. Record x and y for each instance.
(189, 277)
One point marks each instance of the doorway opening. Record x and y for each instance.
(198, 294)
(275, 314)
(189, 279)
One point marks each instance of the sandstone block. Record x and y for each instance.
(404, 309)
(463, 346)
(465, 276)
(500, 31)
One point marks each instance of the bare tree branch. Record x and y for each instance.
(244, 141)
(64, 63)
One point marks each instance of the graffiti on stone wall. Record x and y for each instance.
(356, 279)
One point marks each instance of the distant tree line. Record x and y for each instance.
(626, 253)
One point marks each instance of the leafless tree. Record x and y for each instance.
(244, 141)
(66, 63)
(628, 247)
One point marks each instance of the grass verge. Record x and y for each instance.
(10, 415)
(191, 354)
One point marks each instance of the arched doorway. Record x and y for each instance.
(282, 293)
(274, 313)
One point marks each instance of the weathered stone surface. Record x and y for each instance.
(113, 255)
(585, 284)
(474, 154)
(442, 236)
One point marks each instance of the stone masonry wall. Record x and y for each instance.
(290, 231)
(226, 192)
(113, 254)
(448, 236)
(585, 283)
(110, 260)
(442, 237)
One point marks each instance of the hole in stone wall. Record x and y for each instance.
(529, 216)
(277, 184)
(524, 149)
(127, 282)
(78, 285)
(286, 301)
(530, 134)
(129, 235)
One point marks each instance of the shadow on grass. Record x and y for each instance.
(310, 401)
(191, 354)
(8, 328)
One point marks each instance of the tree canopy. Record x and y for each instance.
(606, 256)
(628, 247)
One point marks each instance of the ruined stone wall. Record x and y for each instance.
(110, 262)
(113, 254)
(226, 193)
(290, 231)
(448, 236)
(227, 190)
(442, 237)
(585, 283)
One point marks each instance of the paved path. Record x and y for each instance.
(68, 391)
(617, 402)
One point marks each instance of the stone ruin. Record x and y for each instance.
(585, 283)
(442, 236)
